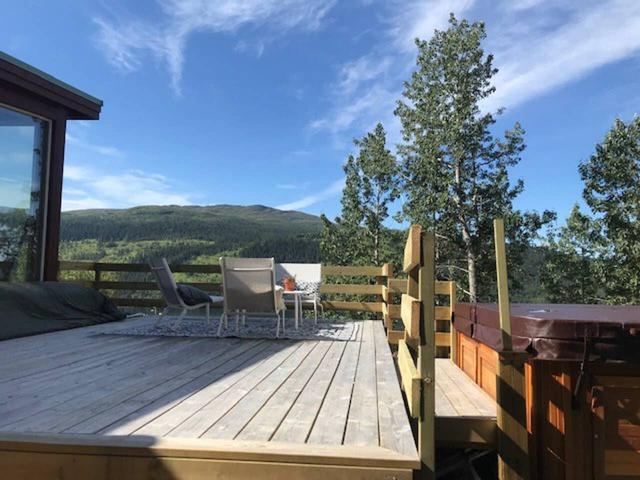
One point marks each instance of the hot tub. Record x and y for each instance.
(582, 382)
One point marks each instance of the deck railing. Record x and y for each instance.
(375, 289)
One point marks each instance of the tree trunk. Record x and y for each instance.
(376, 249)
(471, 268)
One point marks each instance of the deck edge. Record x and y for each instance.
(207, 449)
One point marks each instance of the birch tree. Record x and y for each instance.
(455, 171)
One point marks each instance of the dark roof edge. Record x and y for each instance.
(25, 66)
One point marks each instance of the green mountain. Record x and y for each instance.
(189, 234)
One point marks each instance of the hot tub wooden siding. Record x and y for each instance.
(599, 438)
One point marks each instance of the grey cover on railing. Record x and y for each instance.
(40, 307)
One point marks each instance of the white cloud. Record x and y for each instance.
(107, 151)
(539, 46)
(330, 192)
(418, 19)
(292, 186)
(360, 111)
(592, 36)
(126, 43)
(91, 188)
(354, 74)
(368, 87)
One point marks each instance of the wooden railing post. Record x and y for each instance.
(387, 272)
(513, 450)
(427, 354)
(453, 298)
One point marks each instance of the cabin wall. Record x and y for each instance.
(598, 437)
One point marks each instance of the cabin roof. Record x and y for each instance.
(79, 105)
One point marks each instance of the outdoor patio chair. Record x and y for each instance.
(177, 296)
(308, 279)
(249, 287)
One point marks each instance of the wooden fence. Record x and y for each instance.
(381, 291)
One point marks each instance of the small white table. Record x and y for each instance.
(297, 303)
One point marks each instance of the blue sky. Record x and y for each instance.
(257, 101)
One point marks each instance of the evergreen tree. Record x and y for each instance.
(572, 271)
(455, 171)
(371, 185)
(612, 191)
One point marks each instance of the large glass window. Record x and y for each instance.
(24, 152)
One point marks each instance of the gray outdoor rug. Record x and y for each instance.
(254, 328)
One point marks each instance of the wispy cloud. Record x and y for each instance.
(330, 192)
(104, 150)
(92, 188)
(591, 35)
(539, 46)
(126, 43)
(359, 110)
(292, 186)
(419, 18)
(368, 87)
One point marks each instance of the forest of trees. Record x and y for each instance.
(451, 175)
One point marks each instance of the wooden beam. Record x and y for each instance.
(397, 285)
(412, 249)
(466, 432)
(443, 339)
(109, 285)
(503, 284)
(410, 315)
(453, 353)
(443, 313)
(394, 336)
(409, 378)
(44, 456)
(394, 311)
(426, 357)
(443, 287)
(375, 307)
(513, 449)
(351, 289)
(347, 271)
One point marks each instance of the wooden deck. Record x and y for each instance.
(159, 407)
(465, 414)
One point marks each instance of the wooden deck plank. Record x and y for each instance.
(113, 411)
(201, 400)
(49, 391)
(331, 420)
(466, 398)
(172, 372)
(64, 396)
(395, 430)
(200, 421)
(199, 448)
(266, 421)
(296, 426)
(29, 379)
(232, 423)
(159, 417)
(457, 398)
(362, 422)
(36, 362)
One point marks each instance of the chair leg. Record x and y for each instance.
(162, 314)
(222, 320)
(237, 319)
(315, 312)
(244, 318)
(180, 318)
(277, 325)
(208, 309)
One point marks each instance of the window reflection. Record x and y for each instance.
(24, 149)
